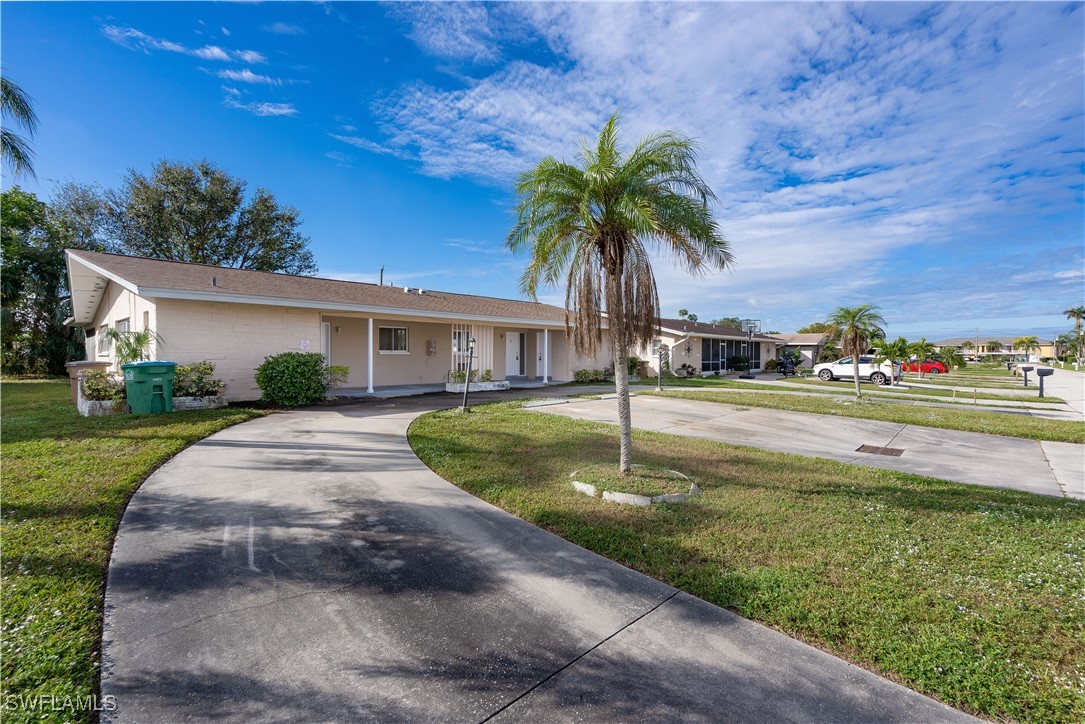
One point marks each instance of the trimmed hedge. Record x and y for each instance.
(291, 379)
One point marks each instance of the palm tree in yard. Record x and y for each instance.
(896, 351)
(14, 149)
(1026, 344)
(923, 350)
(856, 326)
(592, 225)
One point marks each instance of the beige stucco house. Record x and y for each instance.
(386, 335)
(707, 347)
(808, 345)
(1000, 347)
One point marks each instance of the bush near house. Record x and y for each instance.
(603, 375)
(196, 380)
(291, 379)
(101, 386)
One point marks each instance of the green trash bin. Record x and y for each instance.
(149, 386)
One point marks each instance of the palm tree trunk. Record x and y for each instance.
(625, 424)
(855, 374)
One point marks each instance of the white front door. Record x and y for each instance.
(542, 369)
(326, 341)
(513, 362)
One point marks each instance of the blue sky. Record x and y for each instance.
(926, 158)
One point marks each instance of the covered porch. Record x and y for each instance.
(404, 353)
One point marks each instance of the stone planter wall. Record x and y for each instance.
(478, 386)
(97, 408)
(199, 403)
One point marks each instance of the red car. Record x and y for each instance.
(927, 367)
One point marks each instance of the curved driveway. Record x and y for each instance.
(306, 566)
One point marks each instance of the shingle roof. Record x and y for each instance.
(704, 329)
(172, 276)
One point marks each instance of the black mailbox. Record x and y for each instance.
(1042, 373)
(1026, 370)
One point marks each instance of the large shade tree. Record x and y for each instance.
(855, 327)
(196, 212)
(593, 225)
(16, 107)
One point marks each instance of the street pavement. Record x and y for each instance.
(1047, 468)
(307, 566)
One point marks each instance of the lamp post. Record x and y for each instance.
(467, 380)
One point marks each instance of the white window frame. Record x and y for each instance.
(124, 325)
(406, 340)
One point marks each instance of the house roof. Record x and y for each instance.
(1004, 341)
(811, 339)
(704, 329)
(88, 272)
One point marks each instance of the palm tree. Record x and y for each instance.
(592, 225)
(1076, 314)
(15, 150)
(923, 350)
(1027, 344)
(896, 351)
(994, 345)
(856, 326)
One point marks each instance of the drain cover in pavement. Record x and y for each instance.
(875, 450)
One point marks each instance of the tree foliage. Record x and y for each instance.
(593, 226)
(815, 328)
(16, 106)
(856, 327)
(34, 298)
(196, 212)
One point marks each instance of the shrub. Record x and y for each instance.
(196, 380)
(460, 376)
(592, 375)
(337, 375)
(770, 366)
(488, 376)
(632, 365)
(98, 385)
(739, 362)
(292, 378)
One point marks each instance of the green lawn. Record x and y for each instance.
(66, 480)
(843, 386)
(973, 595)
(960, 417)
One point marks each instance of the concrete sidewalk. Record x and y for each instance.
(307, 567)
(1047, 468)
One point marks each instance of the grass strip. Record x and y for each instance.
(961, 417)
(973, 595)
(1030, 395)
(66, 481)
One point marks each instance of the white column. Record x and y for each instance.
(369, 375)
(546, 356)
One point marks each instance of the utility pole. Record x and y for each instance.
(382, 284)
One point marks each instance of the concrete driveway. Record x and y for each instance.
(1047, 468)
(307, 567)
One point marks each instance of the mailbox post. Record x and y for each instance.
(1026, 370)
(1042, 373)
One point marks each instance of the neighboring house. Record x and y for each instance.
(1005, 347)
(809, 346)
(708, 347)
(385, 335)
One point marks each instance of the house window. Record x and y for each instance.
(105, 344)
(393, 340)
(123, 325)
(459, 341)
(657, 344)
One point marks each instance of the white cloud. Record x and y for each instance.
(367, 145)
(284, 29)
(211, 52)
(247, 76)
(225, 31)
(262, 109)
(838, 137)
(138, 40)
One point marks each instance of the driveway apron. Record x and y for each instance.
(307, 567)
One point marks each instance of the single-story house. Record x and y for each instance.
(1002, 348)
(386, 335)
(809, 346)
(707, 347)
